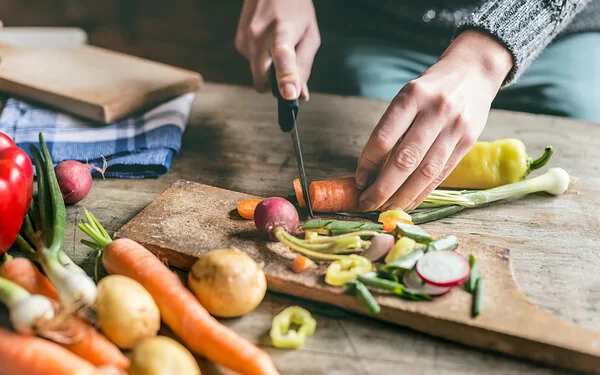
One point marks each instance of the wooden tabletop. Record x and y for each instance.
(232, 141)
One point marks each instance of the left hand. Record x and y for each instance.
(431, 124)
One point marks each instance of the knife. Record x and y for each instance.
(287, 112)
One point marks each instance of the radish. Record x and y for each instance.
(416, 284)
(75, 180)
(381, 244)
(443, 268)
(275, 213)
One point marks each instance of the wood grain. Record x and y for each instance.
(189, 219)
(91, 82)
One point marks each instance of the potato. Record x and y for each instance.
(126, 312)
(162, 355)
(227, 282)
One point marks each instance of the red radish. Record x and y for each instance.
(75, 180)
(443, 268)
(381, 244)
(416, 284)
(274, 213)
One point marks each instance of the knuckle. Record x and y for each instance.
(407, 158)
(413, 88)
(281, 50)
(253, 32)
(382, 140)
(430, 169)
(443, 104)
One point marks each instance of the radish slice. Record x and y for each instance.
(443, 268)
(416, 284)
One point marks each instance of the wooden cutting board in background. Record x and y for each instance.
(190, 219)
(91, 82)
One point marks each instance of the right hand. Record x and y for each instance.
(284, 33)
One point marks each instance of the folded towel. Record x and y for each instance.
(141, 146)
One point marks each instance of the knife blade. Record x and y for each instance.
(287, 111)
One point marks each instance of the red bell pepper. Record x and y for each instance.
(16, 188)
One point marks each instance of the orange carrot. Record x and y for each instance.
(87, 342)
(246, 207)
(30, 355)
(302, 263)
(182, 312)
(390, 224)
(337, 195)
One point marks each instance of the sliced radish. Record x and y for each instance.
(414, 283)
(443, 268)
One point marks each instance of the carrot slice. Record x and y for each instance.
(302, 263)
(389, 224)
(299, 194)
(246, 207)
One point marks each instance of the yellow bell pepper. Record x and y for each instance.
(492, 164)
(284, 337)
(401, 248)
(342, 271)
(394, 214)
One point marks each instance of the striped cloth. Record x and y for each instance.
(141, 146)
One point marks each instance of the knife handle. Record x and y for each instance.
(287, 110)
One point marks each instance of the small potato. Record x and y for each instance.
(162, 355)
(126, 312)
(227, 282)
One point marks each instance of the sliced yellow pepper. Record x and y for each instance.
(283, 337)
(401, 248)
(396, 214)
(341, 271)
(492, 164)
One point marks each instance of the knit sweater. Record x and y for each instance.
(524, 27)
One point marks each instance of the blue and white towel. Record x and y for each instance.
(137, 147)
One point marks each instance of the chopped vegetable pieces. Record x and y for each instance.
(449, 242)
(405, 263)
(415, 232)
(470, 284)
(478, 296)
(443, 268)
(395, 214)
(416, 284)
(282, 334)
(336, 227)
(402, 248)
(389, 224)
(364, 296)
(342, 271)
(302, 263)
(246, 208)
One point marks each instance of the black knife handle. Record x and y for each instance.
(287, 110)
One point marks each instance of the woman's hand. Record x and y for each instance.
(431, 124)
(283, 32)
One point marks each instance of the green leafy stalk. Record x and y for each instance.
(371, 279)
(478, 297)
(11, 293)
(57, 233)
(34, 214)
(470, 284)
(434, 214)
(339, 227)
(42, 195)
(100, 238)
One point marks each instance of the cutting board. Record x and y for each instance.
(91, 82)
(189, 219)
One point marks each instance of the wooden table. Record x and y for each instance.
(233, 142)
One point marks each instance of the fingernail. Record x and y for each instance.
(366, 205)
(361, 180)
(289, 91)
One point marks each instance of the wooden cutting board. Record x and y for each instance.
(190, 219)
(91, 82)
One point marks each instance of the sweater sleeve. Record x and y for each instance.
(524, 27)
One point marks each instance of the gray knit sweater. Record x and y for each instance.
(525, 27)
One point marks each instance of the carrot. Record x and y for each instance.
(30, 355)
(246, 207)
(302, 263)
(182, 312)
(87, 343)
(337, 195)
(390, 224)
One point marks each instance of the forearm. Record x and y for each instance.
(523, 27)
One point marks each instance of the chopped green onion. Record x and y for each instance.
(364, 296)
(449, 242)
(413, 232)
(470, 284)
(478, 296)
(405, 263)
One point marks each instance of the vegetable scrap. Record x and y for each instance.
(246, 208)
(282, 333)
(342, 271)
(302, 263)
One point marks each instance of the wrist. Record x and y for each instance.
(475, 49)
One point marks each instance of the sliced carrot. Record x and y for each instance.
(182, 312)
(31, 355)
(302, 263)
(299, 193)
(87, 343)
(389, 224)
(337, 195)
(246, 207)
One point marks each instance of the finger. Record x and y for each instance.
(259, 66)
(406, 157)
(241, 42)
(283, 54)
(305, 95)
(392, 125)
(426, 174)
(306, 51)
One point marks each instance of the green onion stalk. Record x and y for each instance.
(442, 203)
(325, 247)
(42, 237)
